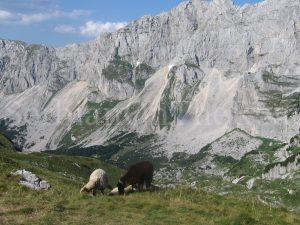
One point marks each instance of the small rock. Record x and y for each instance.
(250, 183)
(205, 167)
(237, 180)
(193, 185)
(31, 180)
(45, 185)
(178, 175)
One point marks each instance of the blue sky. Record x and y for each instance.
(61, 22)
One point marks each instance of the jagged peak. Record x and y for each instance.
(228, 2)
(224, 4)
(6, 41)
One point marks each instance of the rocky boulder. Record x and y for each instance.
(31, 180)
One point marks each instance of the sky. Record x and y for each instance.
(61, 22)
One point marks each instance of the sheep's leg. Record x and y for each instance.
(102, 191)
(93, 192)
(140, 187)
(148, 184)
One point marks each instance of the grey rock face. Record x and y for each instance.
(189, 75)
(284, 169)
(24, 66)
(31, 180)
(295, 141)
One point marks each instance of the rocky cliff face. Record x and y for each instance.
(189, 76)
(283, 169)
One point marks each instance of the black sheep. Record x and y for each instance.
(138, 174)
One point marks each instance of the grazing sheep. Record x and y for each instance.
(127, 190)
(138, 174)
(98, 180)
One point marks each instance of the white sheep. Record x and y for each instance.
(98, 181)
(127, 190)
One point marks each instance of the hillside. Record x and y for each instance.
(63, 204)
(6, 144)
(237, 163)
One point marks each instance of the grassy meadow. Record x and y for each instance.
(63, 204)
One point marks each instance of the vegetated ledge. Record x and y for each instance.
(119, 70)
(7, 144)
(12, 133)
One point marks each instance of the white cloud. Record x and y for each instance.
(79, 13)
(6, 16)
(28, 5)
(93, 29)
(30, 18)
(65, 29)
(39, 17)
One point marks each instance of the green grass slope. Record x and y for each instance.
(5, 144)
(64, 205)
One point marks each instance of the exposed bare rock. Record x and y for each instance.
(31, 180)
(189, 75)
(283, 169)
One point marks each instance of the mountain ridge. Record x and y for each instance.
(166, 75)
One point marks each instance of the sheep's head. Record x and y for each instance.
(88, 187)
(121, 187)
(84, 189)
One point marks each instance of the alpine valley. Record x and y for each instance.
(209, 92)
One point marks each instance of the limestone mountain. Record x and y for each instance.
(185, 77)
